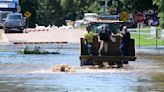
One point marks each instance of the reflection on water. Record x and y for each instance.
(30, 73)
(100, 82)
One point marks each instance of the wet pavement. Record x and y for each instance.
(150, 50)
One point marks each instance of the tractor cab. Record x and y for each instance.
(112, 24)
(113, 56)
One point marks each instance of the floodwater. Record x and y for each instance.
(30, 73)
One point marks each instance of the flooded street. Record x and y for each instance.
(30, 73)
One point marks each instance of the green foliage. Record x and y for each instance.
(94, 8)
(136, 5)
(161, 15)
(76, 8)
(160, 4)
(49, 12)
(142, 5)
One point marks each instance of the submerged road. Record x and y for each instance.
(31, 73)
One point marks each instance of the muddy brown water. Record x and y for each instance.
(30, 73)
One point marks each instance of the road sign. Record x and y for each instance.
(27, 14)
(124, 16)
(139, 17)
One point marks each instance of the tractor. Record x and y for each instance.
(113, 57)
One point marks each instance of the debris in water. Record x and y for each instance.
(36, 50)
(62, 68)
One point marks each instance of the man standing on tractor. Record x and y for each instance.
(104, 37)
(125, 40)
(88, 37)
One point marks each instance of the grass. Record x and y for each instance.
(146, 40)
(145, 31)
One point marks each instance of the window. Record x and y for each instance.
(14, 17)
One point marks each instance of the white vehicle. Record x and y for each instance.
(88, 17)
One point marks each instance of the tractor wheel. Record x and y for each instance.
(125, 62)
(101, 64)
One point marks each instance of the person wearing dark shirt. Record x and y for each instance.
(104, 37)
(125, 40)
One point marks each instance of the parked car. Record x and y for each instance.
(109, 17)
(88, 17)
(14, 23)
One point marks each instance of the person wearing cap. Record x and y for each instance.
(125, 40)
(104, 37)
(88, 39)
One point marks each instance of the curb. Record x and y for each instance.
(36, 30)
(22, 43)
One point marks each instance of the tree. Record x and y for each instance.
(74, 8)
(69, 8)
(31, 6)
(160, 4)
(42, 12)
(56, 15)
(138, 5)
(94, 7)
(49, 12)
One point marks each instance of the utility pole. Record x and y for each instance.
(133, 10)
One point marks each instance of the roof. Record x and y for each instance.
(107, 21)
(86, 14)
